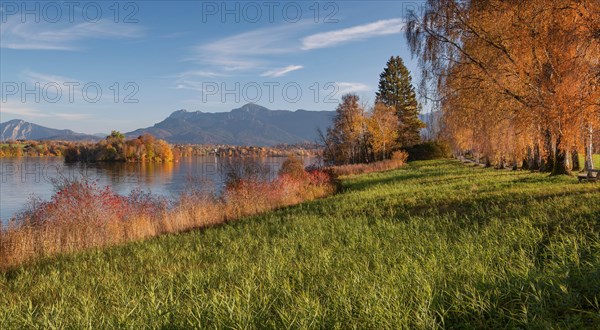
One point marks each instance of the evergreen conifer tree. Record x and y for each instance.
(396, 89)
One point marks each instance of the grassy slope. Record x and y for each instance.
(433, 244)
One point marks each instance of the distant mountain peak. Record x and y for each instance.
(179, 113)
(15, 121)
(18, 129)
(252, 108)
(183, 114)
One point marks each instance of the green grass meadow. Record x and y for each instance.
(435, 244)
(596, 159)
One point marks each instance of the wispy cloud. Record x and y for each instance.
(351, 87)
(251, 50)
(24, 111)
(21, 110)
(258, 42)
(70, 116)
(191, 85)
(43, 78)
(200, 73)
(359, 32)
(189, 79)
(248, 50)
(255, 51)
(64, 84)
(68, 93)
(30, 35)
(281, 71)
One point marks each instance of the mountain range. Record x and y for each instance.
(249, 125)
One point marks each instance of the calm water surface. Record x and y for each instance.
(22, 178)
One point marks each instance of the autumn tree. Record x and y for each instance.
(382, 125)
(148, 143)
(396, 90)
(116, 135)
(517, 79)
(163, 151)
(346, 139)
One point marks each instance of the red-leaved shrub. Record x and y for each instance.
(82, 214)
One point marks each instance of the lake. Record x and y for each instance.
(22, 178)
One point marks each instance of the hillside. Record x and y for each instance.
(248, 125)
(433, 245)
(21, 130)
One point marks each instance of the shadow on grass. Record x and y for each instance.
(518, 204)
(495, 194)
(549, 301)
(415, 171)
(443, 172)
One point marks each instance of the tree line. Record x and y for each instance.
(363, 134)
(116, 149)
(516, 81)
(33, 148)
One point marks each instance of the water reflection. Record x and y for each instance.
(26, 176)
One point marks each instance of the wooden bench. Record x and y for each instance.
(590, 175)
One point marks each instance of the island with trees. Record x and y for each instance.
(115, 148)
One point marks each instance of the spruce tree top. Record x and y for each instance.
(395, 85)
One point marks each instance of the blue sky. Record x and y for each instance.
(150, 58)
